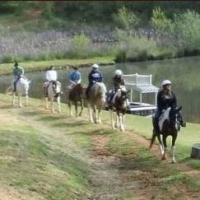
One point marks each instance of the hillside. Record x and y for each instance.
(56, 157)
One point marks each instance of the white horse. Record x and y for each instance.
(22, 88)
(54, 93)
(96, 101)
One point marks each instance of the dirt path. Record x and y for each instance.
(111, 177)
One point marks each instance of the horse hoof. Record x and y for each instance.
(163, 158)
(173, 161)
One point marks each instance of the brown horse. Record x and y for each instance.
(75, 96)
(119, 105)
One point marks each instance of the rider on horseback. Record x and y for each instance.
(74, 78)
(93, 77)
(165, 99)
(118, 83)
(18, 72)
(51, 76)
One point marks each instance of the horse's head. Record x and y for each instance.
(174, 117)
(122, 97)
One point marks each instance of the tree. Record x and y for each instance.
(160, 22)
(126, 19)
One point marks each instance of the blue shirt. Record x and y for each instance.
(75, 76)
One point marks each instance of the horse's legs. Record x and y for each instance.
(94, 113)
(13, 99)
(59, 106)
(52, 105)
(26, 99)
(112, 120)
(152, 139)
(46, 102)
(19, 100)
(160, 144)
(173, 147)
(117, 120)
(90, 113)
(70, 108)
(99, 115)
(76, 108)
(165, 146)
(121, 122)
(81, 107)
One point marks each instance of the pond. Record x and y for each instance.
(184, 74)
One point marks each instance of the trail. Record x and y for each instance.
(112, 177)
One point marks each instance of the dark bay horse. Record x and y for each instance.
(169, 125)
(76, 96)
(119, 105)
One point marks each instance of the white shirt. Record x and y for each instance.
(51, 75)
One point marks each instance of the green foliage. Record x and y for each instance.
(126, 19)
(160, 21)
(80, 46)
(188, 30)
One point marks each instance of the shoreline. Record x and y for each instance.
(37, 66)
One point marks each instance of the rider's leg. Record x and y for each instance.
(15, 84)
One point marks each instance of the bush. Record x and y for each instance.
(134, 48)
(187, 30)
(80, 46)
(7, 59)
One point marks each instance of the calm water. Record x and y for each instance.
(184, 73)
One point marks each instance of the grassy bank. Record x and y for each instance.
(59, 64)
(57, 157)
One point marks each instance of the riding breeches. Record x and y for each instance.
(15, 84)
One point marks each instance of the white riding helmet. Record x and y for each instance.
(118, 72)
(95, 66)
(166, 82)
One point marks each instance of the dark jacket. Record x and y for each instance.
(118, 81)
(94, 76)
(164, 101)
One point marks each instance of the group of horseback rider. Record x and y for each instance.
(165, 97)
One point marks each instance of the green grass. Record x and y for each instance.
(6, 68)
(134, 157)
(48, 154)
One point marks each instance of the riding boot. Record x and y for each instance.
(15, 85)
(14, 90)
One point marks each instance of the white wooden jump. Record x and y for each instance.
(140, 83)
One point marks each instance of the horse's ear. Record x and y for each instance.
(179, 108)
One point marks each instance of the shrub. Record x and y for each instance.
(80, 46)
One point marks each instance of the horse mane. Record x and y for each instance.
(164, 116)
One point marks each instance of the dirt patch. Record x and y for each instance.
(8, 193)
(99, 143)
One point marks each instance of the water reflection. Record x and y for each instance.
(184, 73)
